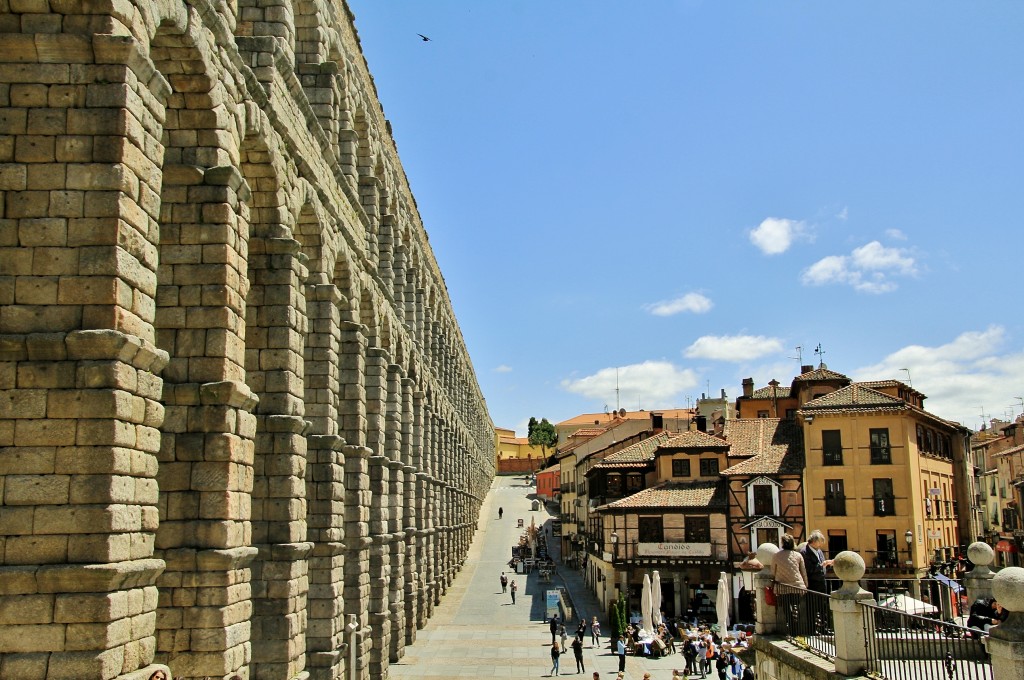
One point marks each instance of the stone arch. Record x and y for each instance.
(276, 328)
(205, 474)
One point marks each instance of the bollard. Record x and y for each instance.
(1006, 641)
(847, 617)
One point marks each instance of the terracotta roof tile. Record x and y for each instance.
(590, 419)
(588, 432)
(775, 446)
(820, 374)
(766, 393)
(695, 440)
(640, 453)
(710, 495)
(855, 397)
(1008, 452)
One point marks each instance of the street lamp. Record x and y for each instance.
(615, 546)
(910, 542)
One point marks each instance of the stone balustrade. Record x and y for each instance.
(777, 660)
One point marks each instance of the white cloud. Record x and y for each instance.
(652, 383)
(843, 214)
(691, 302)
(503, 368)
(736, 348)
(869, 268)
(896, 234)
(959, 378)
(876, 256)
(775, 235)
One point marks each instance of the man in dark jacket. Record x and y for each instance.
(553, 627)
(815, 562)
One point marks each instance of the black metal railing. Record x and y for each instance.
(805, 618)
(902, 646)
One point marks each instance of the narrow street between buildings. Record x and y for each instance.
(477, 632)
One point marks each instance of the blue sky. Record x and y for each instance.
(687, 191)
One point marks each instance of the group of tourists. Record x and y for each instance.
(703, 650)
(798, 569)
(506, 586)
(558, 647)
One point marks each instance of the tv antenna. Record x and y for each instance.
(1021, 400)
(910, 383)
(799, 355)
(616, 388)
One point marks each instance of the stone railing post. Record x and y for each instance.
(1006, 641)
(847, 617)
(979, 579)
(765, 613)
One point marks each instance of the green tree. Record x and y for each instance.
(542, 434)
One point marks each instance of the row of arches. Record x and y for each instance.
(272, 410)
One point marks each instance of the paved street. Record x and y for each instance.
(477, 632)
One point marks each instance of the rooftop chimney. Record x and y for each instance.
(806, 368)
(748, 387)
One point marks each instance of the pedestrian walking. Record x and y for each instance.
(597, 676)
(722, 666)
(620, 649)
(595, 632)
(562, 634)
(736, 666)
(702, 650)
(690, 654)
(504, 582)
(581, 630)
(500, 512)
(577, 651)
(553, 627)
(556, 654)
(748, 673)
(709, 655)
(513, 587)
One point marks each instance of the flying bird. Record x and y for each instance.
(425, 38)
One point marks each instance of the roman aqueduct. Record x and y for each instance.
(240, 433)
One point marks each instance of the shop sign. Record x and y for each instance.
(673, 549)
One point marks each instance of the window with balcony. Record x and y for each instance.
(764, 500)
(881, 453)
(831, 447)
(614, 485)
(698, 530)
(837, 542)
(885, 549)
(680, 467)
(708, 467)
(650, 530)
(883, 498)
(835, 497)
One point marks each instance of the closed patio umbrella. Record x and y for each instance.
(723, 602)
(645, 604)
(656, 599)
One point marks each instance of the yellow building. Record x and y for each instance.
(880, 476)
(516, 455)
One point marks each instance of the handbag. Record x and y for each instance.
(769, 596)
